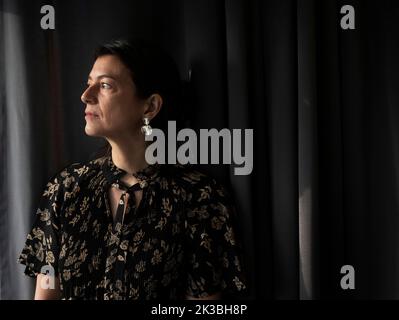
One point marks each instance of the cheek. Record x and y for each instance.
(133, 111)
(122, 111)
(132, 119)
(111, 107)
(125, 118)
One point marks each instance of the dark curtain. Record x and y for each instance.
(357, 117)
(321, 100)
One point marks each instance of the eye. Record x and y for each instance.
(105, 85)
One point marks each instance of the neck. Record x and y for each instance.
(129, 155)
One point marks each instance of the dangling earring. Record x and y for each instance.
(146, 129)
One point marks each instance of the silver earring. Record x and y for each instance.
(146, 129)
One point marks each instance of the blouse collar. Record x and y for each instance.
(113, 173)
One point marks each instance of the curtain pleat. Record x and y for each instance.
(16, 167)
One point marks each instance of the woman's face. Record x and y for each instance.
(113, 110)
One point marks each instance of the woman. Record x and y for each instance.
(118, 228)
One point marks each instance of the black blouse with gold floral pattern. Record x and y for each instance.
(178, 242)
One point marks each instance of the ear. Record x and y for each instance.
(152, 106)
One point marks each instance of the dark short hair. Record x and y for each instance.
(152, 71)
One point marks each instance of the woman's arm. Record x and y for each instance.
(43, 293)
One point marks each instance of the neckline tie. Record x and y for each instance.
(119, 216)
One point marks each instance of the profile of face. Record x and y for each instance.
(113, 110)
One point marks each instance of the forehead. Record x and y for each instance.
(109, 65)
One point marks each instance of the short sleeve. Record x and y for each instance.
(42, 243)
(214, 252)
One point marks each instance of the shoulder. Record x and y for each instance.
(185, 175)
(195, 183)
(77, 172)
(67, 182)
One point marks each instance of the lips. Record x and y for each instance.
(88, 113)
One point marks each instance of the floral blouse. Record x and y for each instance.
(178, 242)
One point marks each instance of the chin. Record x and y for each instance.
(91, 132)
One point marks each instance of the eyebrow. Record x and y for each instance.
(102, 76)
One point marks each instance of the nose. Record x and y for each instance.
(88, 96)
